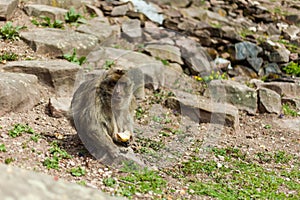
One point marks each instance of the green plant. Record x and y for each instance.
(282, 157)
(143, 182)
(82, 182)
(167, 131)
(157, 119)
(147, 143)
(129, 166)
(19, 129)
(9, 32)
(267, 126)
(264, 157)
(73, 58)
(8, 57)
(290, 46)
(46, 22)
(108, 64)
(216, 25)
(139, 112)
(2, 148)
(289, 111)
(239, 178)
(213, 76)
(8, 160)
(293, 69)
(52, 163)
(277, 10)
(245, 32)
(35, 137)
(160, 96)
(229, 153)
(73, 17)
(57, 151)
(109, 182)
(56, 155)
(77, 171)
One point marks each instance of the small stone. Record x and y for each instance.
(280, 55)
(131, 30)
(121, 10)
(221, 158)
(191, 191)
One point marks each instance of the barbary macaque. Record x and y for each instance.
(102, 110)
(117, 101)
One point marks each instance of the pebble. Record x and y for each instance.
(221, 158)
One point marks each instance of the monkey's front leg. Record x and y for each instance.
(120, 135)
(114, 128)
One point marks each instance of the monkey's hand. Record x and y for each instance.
(124, 136)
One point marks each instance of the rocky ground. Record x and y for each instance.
(249, 116)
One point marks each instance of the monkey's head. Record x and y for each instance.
(118, 88)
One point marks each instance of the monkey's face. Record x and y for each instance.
(122, 93)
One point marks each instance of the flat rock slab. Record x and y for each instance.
(67, 4)
(283, 88)
(290, 124)
(166, 52)
(56, 42)
(237, 94)
(155, 73)
(153, 69)
(99, 27)
(38, 10)
(204, 110)
(18, 183)
(7, 8)
(269, 101)
(18, 92)
(59, 74)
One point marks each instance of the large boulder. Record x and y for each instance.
(57, 42)
(165, 51)
(249, 52)
(204, 110)
(283, 88)
(32, 185)
(269, 101)
(18, 92)
(7, 8)
(106, 57)
(38, 10)
(60, 4)
(58, 74)
(237, 94)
